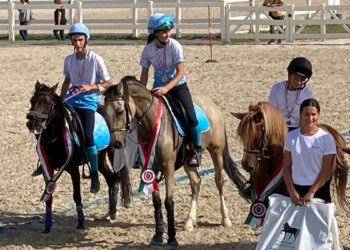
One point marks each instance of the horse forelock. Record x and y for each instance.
(275, 128)
(247, 130)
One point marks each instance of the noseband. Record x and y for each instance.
(37, 116)
(261, 152)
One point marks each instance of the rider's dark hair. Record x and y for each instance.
(310, 102)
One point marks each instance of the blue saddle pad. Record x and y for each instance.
(101, 132)
(203, 122)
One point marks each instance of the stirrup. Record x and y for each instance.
(195, 158)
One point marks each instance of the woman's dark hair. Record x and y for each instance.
(150, 38)
(310, 102)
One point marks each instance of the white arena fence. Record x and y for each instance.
(258, 20)
(133, 24)
(230, 22)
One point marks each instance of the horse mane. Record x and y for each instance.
(263, 112)
(342, 167)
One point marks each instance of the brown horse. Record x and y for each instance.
(46, 117)
(263, 131)
(130, 101)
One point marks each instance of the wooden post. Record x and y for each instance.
(11, 8)
(223, 19)
(252, 16)
(178, 19)
(135, 32)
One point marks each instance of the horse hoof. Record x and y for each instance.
(81, 230)
(126, 203)
(172, 244)
(157, 240)
(46, 231)
(113, 216)
(188, 227)
(80, 227)
(226, 222)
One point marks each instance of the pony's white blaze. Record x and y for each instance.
(110, 113)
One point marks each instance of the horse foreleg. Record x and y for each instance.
(74, 173)
(169, 206)
(126, 187)
(219, 181)
(195, 182)
(157, 239)
(48, 216)
(112, 181)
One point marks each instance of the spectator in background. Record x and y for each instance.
(275, 15)
(287, 95)
(24, 19)
(60, 19)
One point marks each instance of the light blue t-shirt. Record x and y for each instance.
(163, 60)
(89, 70)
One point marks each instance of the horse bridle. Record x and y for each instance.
(261, 152)
(37, 116)
(128, 124)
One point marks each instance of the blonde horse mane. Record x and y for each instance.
(265, 114)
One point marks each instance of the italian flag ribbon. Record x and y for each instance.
(148, 182)
(49, 176)
(259, 206)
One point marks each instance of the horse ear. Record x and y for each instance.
(53, 88)
(238, 115)
(37, 84)
(120, 89)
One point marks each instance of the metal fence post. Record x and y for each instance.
(79, 12)
(227, 23)
(149, 8)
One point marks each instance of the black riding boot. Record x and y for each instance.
(38, 171)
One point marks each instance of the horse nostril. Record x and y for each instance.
(117, 144)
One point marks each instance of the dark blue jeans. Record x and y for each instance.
(24, 33)
(87, 117)
(272, 27)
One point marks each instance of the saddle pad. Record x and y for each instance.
(101, 132)
(203, 122)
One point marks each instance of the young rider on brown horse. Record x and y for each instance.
(166, 56)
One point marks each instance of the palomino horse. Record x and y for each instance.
(263, 131)
(131, 100)
(47, 118)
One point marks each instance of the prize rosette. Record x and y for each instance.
(148, 176)
(258, 209)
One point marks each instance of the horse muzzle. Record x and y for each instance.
(36, 122)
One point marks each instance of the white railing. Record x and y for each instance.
(133, 24)
(258, 18)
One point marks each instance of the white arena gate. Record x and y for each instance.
(229, 25)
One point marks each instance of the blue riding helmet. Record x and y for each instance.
(79, 28)
(160, 21)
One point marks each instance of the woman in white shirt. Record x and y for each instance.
(309, 158)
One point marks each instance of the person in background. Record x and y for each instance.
(24, 17)
(287, 95)
(166, 56)
(60, 19)
(275, 15)
(85, 72)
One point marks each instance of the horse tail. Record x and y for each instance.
(231, 169)
(342, 167)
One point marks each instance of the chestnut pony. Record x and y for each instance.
(263, 131)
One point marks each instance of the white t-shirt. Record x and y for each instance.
(163, 60)
(89, 70)
(293, 101)
(307, 154)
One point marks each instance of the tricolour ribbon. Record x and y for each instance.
(48, 172)
(258, 208)
(148, 182)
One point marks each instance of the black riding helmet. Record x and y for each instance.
(300, 66)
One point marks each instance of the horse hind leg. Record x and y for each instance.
(195, 183)
(217, 158)
(126, 191)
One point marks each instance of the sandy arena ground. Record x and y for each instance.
(243, 75)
